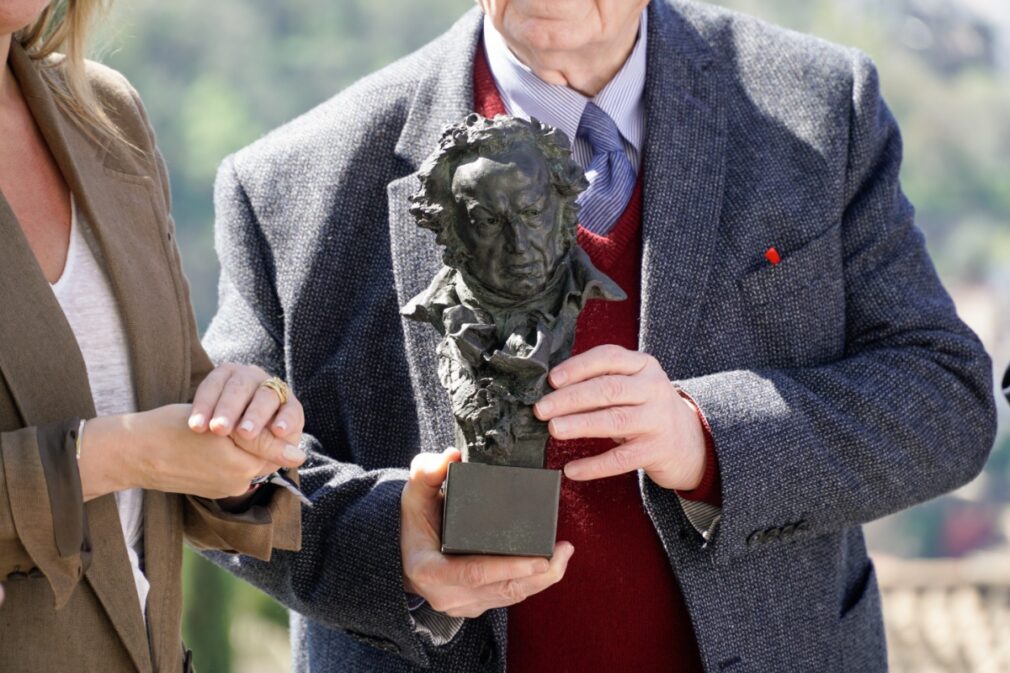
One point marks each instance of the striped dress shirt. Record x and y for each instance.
(526, 95)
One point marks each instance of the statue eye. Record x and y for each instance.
(486, 220)
(532, 211)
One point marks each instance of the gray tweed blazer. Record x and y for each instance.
(839, 384)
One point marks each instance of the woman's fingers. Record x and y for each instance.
(261, 409)
(273, 450)
(207, 395)
(290, 420)
(238, 392)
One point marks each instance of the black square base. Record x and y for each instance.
(498, 509)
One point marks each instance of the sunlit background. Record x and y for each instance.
(216, 75)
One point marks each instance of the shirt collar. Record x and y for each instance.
(526, 95)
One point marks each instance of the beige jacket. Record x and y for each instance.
(71, 602)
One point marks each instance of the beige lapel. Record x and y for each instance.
(121, 204)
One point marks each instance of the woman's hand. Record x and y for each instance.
(157, 450)
(232, 400)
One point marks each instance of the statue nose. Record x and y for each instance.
(518, 235)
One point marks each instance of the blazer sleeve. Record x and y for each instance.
(905, 415)
(272, 519)
(43, 527)
(349, 575)
(1006, 384)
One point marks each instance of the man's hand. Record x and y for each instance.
(610, 391)
(461, 586)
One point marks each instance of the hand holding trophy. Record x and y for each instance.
(500, 196)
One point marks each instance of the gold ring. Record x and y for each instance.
(279, 387)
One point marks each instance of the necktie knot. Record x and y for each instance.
(610, 173)
(599, 130)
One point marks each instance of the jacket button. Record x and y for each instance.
(772, 534)
(756, 538)
(486, 654)
(802, 526)
(788, 530)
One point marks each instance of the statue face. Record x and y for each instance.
(508, 217)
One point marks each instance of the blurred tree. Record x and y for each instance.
(207, 597)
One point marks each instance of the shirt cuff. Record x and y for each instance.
(709, 489)
(437, 627)
(702, 505)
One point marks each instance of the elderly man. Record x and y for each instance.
(786, 367)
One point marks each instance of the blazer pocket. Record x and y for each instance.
(814, 263)
(795, 310)
(860, 637)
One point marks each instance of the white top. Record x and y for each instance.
(524, 94)
(86, 298)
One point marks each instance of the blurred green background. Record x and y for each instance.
(216, 75)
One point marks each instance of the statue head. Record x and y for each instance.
(500, 196)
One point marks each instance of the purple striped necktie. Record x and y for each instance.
(610, 173)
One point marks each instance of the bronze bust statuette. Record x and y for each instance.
(500, 196)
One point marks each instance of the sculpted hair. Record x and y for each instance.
(64, 27)
(433, 205)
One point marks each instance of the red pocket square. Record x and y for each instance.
(773, 256)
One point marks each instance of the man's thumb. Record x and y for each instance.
(428, 470)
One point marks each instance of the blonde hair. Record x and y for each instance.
(64, 26)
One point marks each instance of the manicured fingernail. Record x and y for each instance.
(196, 421)
(559, 378)
(292, 452)
(544, 407)
(247, 426)
(559, 426)
(281, 426)
(220, 422)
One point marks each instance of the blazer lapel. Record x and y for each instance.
(121, 207)
(684, 163)
(444, 97)
(40, 350)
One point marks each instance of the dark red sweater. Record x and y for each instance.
(619, 607)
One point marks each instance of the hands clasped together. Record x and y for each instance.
(607, 391)
(236, 430)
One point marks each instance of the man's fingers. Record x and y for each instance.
(290, 419)
(238, 391)
(478, 571)
(596, 393)
(614, 422)
(428, 470)
(606, 359)
(207, 395)
(514, 590)
(261, 409)
(618, 460)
